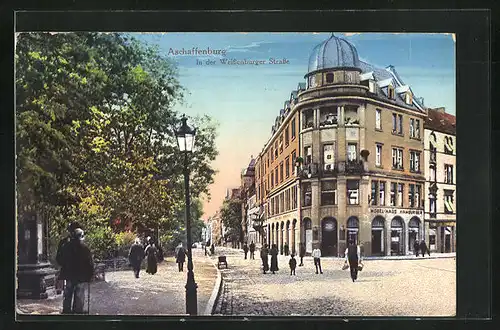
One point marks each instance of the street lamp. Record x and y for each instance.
(185, 139)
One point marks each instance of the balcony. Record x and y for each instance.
(329, 170)
(329, 122)
(351, 167)
(309, 170)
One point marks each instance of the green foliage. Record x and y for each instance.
(95, 133)
(230, 214)
(102, 242)
(124, 241)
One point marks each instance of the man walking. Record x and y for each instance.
(424, 249)
(252, 250)
(317, 259)
(77, 269)
(135, 256)
(287, 249)
(245, 249)
(181, 257)
(416, 247)
(353, 257)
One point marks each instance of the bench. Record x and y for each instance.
(222, 260)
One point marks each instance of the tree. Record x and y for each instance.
(95, 132)
(230, 214)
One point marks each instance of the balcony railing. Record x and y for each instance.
(309, 170)
(329, 170)
(351, 167)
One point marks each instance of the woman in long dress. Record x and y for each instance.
(151, 252)
(263, 257)
(274, 258)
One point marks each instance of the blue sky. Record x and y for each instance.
(245, 99)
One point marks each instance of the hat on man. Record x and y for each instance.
(79, 234)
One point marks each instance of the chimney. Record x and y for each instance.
(440, 109)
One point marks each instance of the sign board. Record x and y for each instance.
(329, 226)
(396, 211)
(395, 239)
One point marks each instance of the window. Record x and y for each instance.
(418, 189)
(308, 154)
(307, 194)
(417, 128)
(328, 192)
(276, 176)
(412, 127)
(371, 86)
(293, 128)
(394, 123)
(400, 124)
(294, 157)
(411, 195)
(351, 152)
(281, 172)
(397, 158)
(287, 136)
(282, 202)
(328, 156)
(414, 161)
(408, 98)
(294, 197)
(432, 206)
(281, 143)
(287, 167)
(272, 179)
(382, 193)
(393, 194)
(378, 120)
(448, 145)
(352, 192)
(378, 155)
(374, 195)
(400, 194)
(432, 174)
(448, 172)
(448, 201)
(390, 92)
(329, 78)
(272, 206)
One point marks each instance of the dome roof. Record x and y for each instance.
(332, 53)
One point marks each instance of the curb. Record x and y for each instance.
(209, 309)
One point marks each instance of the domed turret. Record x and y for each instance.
(333, 53)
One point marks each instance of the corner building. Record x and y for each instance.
(361, 148)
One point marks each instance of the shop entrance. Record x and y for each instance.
(352, 229)
(329, 237)
(308, 234)
(378, 235)
(397, 236)
(413, 234)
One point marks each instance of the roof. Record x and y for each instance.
(334, 52)
(438, 120)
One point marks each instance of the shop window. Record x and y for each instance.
(418, 202)
(400, 194)
(374, 194)
(411, 195)
(328, 192)
(393, 194)
(382, 193)
(352, 192)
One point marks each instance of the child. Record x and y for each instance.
(293, 264)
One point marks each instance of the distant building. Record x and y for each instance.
(440, 176)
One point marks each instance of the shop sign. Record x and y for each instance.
(329, 226)
(396, 211)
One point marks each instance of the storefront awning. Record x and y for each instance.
(449, 206)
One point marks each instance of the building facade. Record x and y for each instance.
(440, 185)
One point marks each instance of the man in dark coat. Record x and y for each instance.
(252, 250)
(353, 257)
(286, 248)
(181, 257)
(416, 247)
(274, 258)
(245, 249)
(302, 253)
(293, 264)
(212, 249)
(424, 249)
(77, 268)
(264, 256)
(71, 231)
(135, 256)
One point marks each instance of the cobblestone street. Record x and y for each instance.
(424, 287)
(123, 294)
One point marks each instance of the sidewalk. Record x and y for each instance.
(123, 294)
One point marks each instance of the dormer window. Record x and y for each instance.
(371, 86)
(408, 98)
(329, 77)
(390, 92)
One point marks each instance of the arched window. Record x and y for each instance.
(414, 222)
(353, 222)
(307, 223)
(378, 222)
(397, 222)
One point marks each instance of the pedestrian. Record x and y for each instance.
(151, 252)
(264, 256)
(135, 256)
(71, 231)
(293, 264)
(252, 250)
(416, 247)
(161, 255)
(287, 249)
(302, 253)
(424, 249)
(274, 258)
(353, 258)
(245, 249)
(180, 257)
(212, 249)
(77, 269)
(317, 259)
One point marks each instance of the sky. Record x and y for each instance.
(245, 98)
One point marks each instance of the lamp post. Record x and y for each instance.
(185, 139)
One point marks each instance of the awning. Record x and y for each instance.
(449, 206)
(433, 143)
(448, 229)
(448, 146)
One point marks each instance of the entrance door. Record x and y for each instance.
(329, 237)
(412, 237)
(376, 241)
(309, 240)
(395, 242)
